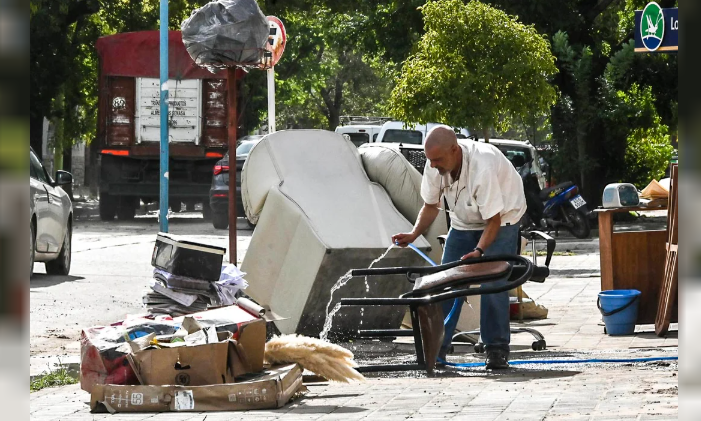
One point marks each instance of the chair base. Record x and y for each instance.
(538, 345)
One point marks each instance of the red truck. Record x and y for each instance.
(128, 129)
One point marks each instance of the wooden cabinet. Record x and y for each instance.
(633, 260)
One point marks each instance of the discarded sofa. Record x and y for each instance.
(318, 216)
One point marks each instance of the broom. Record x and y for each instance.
(320, 357)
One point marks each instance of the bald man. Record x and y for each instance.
(485, 199)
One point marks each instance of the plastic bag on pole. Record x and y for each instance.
(225, 33)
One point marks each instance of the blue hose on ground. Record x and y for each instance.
(589, 361)
(521, 362)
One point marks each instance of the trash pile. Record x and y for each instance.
(189, 277)
(211, 360)
(199, 351)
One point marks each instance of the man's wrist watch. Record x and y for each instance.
(479, 250)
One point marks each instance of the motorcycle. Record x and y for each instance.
(554, 208)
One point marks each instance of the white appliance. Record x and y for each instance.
(619, 195)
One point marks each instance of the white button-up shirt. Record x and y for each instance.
(487, 184)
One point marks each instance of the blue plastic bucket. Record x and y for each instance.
(620, 310)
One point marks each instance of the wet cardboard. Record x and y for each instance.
(272, 389)
(240, 352)
(184, 365)
(248, 330)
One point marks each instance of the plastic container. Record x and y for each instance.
(187, 258)
(620, 310)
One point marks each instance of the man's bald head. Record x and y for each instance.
(442, 137)
(442, 149)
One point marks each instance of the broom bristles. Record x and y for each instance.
(323, 358)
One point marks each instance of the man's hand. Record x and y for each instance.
(403, 239)
(471, 255)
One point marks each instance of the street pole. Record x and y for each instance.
(271, 99)
(233, 123)
(163, 199)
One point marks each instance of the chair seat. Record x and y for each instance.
(460, 274)
(546, 194)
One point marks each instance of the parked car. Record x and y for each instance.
(411, 134)
(51, 219)
(219, 191)
(528, 160)
(360, 134)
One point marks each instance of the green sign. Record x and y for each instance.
(652, 26)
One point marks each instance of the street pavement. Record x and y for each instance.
(111, 268)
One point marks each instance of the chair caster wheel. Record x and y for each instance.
(479, 348)
(538, 345)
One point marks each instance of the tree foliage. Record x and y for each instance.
(342, 57)
(632, 120)
(324, 72)
(476, 67)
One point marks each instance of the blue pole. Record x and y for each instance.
(163, 200)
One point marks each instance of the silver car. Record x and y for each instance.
(51, 219)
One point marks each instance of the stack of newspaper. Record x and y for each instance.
(179, 295)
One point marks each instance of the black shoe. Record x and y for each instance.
(497, 360)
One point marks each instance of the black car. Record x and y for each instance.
(219, 192)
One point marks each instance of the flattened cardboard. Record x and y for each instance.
(273, 389)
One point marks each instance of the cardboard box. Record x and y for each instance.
(248, 330)
(273, 389)
(185, 365)
(206, 364)
(106, 359)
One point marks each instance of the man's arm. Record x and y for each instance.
(427, 215)
(488, 236)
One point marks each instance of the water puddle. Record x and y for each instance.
(341, 282)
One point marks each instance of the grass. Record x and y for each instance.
(53, 378)
(544, 253)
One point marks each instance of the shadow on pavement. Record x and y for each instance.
(41, 280)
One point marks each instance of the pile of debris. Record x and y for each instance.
(208, 361)
(189, 278)
(211, 360)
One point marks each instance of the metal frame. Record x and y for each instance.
(539, 344)
(417, 298)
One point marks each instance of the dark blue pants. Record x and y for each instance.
(494, 308)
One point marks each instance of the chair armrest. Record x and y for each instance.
(441, 240)
(550, 243)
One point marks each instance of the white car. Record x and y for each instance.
(411, 134)
(523, 156)
(51, 219)
(360, 134)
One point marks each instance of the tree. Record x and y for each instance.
(476, 67)
(52, 25)
(324, 73)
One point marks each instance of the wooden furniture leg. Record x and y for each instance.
(606, 250)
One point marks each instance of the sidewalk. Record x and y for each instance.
(620, 394)
(625, 391)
